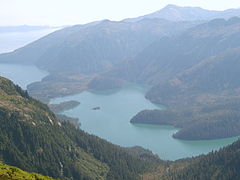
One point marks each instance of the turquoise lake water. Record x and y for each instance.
(112, 122)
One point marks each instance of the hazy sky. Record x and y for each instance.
(68, 12)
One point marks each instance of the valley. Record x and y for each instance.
(155, 97)
(118, 106)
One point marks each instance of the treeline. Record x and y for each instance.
(219, 165)
(123, 164)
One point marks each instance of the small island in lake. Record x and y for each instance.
(96, 108)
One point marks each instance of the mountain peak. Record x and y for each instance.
(171, 6)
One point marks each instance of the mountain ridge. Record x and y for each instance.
(93, 48)
(187, 13)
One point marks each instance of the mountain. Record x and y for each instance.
(209, 66)
(196, 76)
(33, 139)
(215, 75)
(93, 47)
(168, 56)
(177, 13)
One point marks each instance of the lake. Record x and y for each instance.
(21, 74)
(112, 121)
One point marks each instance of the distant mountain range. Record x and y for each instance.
(177, 13)
(94, 47)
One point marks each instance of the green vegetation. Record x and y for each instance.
(34, 140)
(58, 108)
(13, 173)
(223, 164)
(196, 74)
(64, 118)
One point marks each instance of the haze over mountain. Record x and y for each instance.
(177, 13)
(168, 56)
(210, 54)
(99, 46)
(94, 47)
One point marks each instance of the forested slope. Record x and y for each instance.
(34, 140)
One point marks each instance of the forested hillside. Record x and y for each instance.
(218, 165)
(34, 140)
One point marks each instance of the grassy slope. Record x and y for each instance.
(13, 173)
